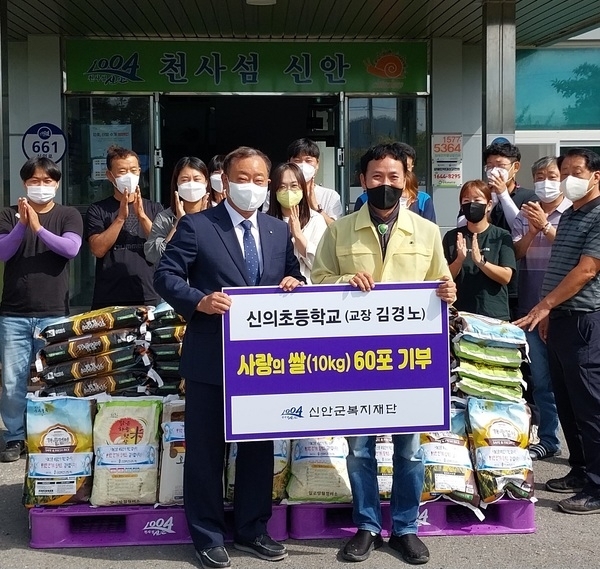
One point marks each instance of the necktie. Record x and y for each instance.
(250, 252)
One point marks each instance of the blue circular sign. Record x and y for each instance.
(44, 140)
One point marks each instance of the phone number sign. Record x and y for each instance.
(44, 140)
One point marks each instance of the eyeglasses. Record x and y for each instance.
(505, 166)
(290, 187)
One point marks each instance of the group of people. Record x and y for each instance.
(533, 256)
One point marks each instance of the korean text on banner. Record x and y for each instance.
(331, 360)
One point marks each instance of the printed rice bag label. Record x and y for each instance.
(126, 446)
(59, 439)
(384, 454)
(173, 452)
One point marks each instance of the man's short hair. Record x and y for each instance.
(408, 150)
(115, 152)
(394, 150)
(505, 149)
(303, 146)
(592, 160)
(45, 164)
(244, 152)
(543, 163)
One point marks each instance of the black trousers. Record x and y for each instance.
(203, 473)
(574, 358)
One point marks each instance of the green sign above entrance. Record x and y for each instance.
(245, 67)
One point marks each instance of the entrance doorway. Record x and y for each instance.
(203, 126)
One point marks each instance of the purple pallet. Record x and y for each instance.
(332, 521)
(85, 526)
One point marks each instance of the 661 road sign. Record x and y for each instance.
(44, 139)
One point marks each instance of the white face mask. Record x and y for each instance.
(547, 190)
(191, 191)
(248, 196)
(575, 188)
(127, 183)
(498, 172)
(308, 170)
(41, 194)
(216, 183)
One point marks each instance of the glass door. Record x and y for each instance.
(93, 124)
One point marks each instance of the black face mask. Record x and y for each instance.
(474, 211)
(384, 197)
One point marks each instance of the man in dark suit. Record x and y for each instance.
(231, 244)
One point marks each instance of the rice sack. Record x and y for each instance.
(59, 462)
(172, 456)
(477, 328)
(88, 345)
(500, 435)
(99, 320)
(99, 384)
(466, 349)
(448, 468)
(126, 439)
(281, 469)
(384, 454)
(167, 335)
(164, 315)
(318, 470)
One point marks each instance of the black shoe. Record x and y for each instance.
(540, 452)
(214, 557)
(412, 549)
(12, 451)
(581, 503)
(264, 547)
(572, 483)
(360, 546)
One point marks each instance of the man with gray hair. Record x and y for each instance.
(533, 233)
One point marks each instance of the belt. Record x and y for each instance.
(566, 313)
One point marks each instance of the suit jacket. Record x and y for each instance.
(204, 256)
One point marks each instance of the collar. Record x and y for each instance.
(237, 218)
(589, 206)
(403, 223)
(564, 205)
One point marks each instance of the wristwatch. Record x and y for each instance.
(319, 209)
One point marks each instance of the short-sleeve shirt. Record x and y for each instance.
(36, 279)
(123, 276)
(476, 292)
(578, 234)
(533, 265)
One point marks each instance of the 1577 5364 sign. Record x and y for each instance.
(331, 360)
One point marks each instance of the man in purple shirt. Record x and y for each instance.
(38, 237)
(533, 233)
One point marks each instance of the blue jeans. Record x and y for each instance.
(407, 483)
(543, 395)
(18, 347)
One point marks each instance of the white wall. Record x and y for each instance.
(34, 95)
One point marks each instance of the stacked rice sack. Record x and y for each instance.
(172, 457)
(281, 469)
(449, 472)
(95, 352)
(59, 461)
(489, 353)
(164, 333)
(318, 471)
(126, 447)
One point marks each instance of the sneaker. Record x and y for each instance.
(214, 557)
(360, 546)
(264, 547)
(12, 451)
(572, 483)
(540, 452)
(581, 503)
(412, 549)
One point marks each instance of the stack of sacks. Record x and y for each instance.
(489, 353)
(126, 443)
(318, 471)
(59, 461)
(499, 431)
(95, 352)
(281, 469)
(448, 468)
(172, 456)
(165, 335)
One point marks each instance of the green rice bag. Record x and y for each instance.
(466, 349)
(496, 375)
(490, 391)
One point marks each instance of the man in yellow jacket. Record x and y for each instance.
(384, 242)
